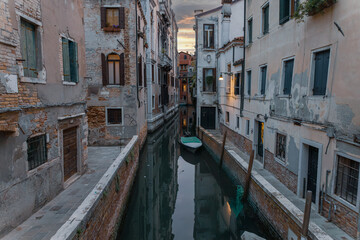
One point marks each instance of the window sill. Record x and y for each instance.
(111, 29)
(210, 93)
(114, 125)
(209, 49)
(112, 86)
(284, 96)
(344, 202)
(259, 97)
(281, 162)
(317, 97)
(32, 80)
(69, 83)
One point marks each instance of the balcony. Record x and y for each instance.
(164, 11)
(165, 61)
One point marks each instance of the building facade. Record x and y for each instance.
(161, 62)
(116, 71)
(43, 125)
(186, 71)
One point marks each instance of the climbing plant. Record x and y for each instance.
(311, 7)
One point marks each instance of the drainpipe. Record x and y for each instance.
(136, 57)
(242, 87)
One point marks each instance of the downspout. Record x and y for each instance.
(242, 87)
(136, 52)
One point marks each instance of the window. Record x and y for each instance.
(247, 130)
(284, 11)
(185, 57)
(70, 61)
(287, 76)
(140, 77)
(159, 100)
(208, 35)
(263, 72)
(152, 73)
(250, 30)
(36, 151)
(237, 84)
(237, 122)
(228, 79)
(29, 43)
(265, 19)
(321, 62)
(113, 61)
(153, 102)
(248, 85)
(113, 69)
(184, 88)
(280, 146)
(209, 81)
(347, 179)
(114, 116)
(227, 117)
(112, 18)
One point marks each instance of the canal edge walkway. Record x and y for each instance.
(287, 201)
(84, 207)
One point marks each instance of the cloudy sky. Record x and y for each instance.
(184, 11)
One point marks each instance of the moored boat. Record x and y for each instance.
(192, 143)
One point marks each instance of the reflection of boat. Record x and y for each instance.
(192, 143)
(189, 157)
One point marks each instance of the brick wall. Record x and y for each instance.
(285, 176)
(270, 208)
(344, 217)
(244, 144)
(107, 215)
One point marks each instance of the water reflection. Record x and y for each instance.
(178, 195)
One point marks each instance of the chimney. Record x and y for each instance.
(225, 23)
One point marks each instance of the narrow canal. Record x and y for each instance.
(180, 195)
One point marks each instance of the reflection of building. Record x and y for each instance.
(187, 120)
(156, 189)
(185, 78)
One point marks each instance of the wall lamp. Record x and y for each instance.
(226, 73)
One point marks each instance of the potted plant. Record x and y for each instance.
(311, 7)
(209, 80)
(146, 45)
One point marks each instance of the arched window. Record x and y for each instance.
(113, 63)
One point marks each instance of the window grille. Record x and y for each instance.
(347, 179)
(37, 151)
(114, 116)
(280, 146)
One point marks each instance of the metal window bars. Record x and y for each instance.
(347, 179)
(37, 151)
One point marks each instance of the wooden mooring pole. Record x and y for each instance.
(307, 211)
(222, 150)
(248, 176)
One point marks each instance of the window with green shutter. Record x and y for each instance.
(250, 30)
(288, 75)
(263, 71)
(284, 11)
(70, 60)
(321, 72)
(248, 73)
(265, 16)
(28, 48)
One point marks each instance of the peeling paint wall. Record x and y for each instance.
(33, 106)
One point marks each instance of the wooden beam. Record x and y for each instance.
(307, 211)
(222, 150)
(248, 175)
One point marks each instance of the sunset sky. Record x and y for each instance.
(184, 11)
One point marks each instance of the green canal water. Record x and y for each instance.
(180, 195)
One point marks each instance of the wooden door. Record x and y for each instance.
(70, 152)
(312, 171)
(261, 139)
(208, 117)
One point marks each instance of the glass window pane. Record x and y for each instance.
(117, 72)
(111, 72)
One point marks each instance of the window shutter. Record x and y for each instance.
(122, 18)
(289, 66)
(145, 78)
(122, 69)
(104, 70)
(284, 11)
(140, 71)
(74, 71)
(66, 59)
(103, 17)
(23, 48)
(321, 72)
(30, 50)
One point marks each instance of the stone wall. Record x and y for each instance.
(273, 207)
(244, 144)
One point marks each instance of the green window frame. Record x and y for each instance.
(250, 30)
(248, 73)
(70, 60)
(29, 53)
(284, 11)
(321, 63)
(263, 72)
(265, 20)
(288, 76)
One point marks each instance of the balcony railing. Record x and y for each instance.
(165, 61)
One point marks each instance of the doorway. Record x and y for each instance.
(312, 171)
(70, 152)
(208, 115)
(259, 139)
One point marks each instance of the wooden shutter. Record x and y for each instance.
(284, 11)
(145, 78)
(66, 60)
(122, 69)
(250, 26)
(103, 17)
(105, 73)
(289, 66)
(140, 71)
(152, 73)
(122, 18)
(24, 48)
(263, 80)
(28, 48)
(214, 79)
(73, 53)
(321, 72)
(249, 83)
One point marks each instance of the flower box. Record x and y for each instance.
(321, 6)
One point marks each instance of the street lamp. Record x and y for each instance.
(221, 77)
(227, 73)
